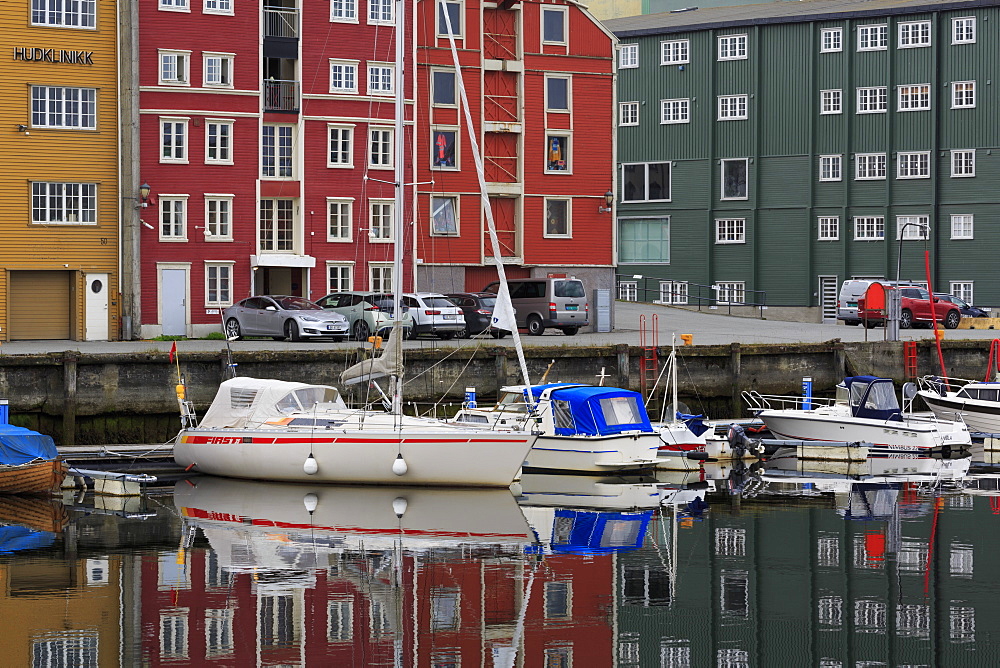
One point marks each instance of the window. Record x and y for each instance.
(175, 5)
(962, 290)
(914, 98)
(869, 228)
(628, 113)
(380, 277)
(174, 67)
(731, 292)
(344, 11)
(276, 225)
(734, 178)
(628, 291)
(217, 7)
(831, 39)
(914, 33)
(173, 218)
(830, 168)
(557, 217)
(218, 70)
(873, 37)
(453, 11)
(554, 25)
(380, 220)
(963, 163)
(829, 228)
(218, 142)
(174, 633)
(557, 156)
(628, 56)
(276, 151)
(644, 240)
(444, 215)
(673, 292)
(730, 230)
(557, 93)
(445, 608)
(82, 14)
(380, 79)
(674, 111)
(963, 94)
(646, 182)
(732, 107)
(218, 632)
(913, 165)
(218, 217)
(961, 228)
(558, 600)
(380, 148)
(963, 30)
(75, 649)
(912, 227)
(830, 102)
(339, 277)
(63, 203)
(63, 107)
(869, 166)
(173, 140)
(443, 88)
(675, 52)
(339, 213)
(873, 100)
(218, 283)
(732, 47)
(443, 149)
(343, 76)
(341, 146)
(381, 12)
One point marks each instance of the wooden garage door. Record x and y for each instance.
(40, 305)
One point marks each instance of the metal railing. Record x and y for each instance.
(281, 22)
(652, 289)
(281, 95)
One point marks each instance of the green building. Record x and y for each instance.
(769, 152)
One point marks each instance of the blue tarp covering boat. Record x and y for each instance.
(20, 446)
(14, 538)
(595, 411)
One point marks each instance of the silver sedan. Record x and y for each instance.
(283, 317)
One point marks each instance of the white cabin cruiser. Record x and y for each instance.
(977, 403)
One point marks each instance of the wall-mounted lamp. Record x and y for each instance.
(144, 190)
(609, 199)
(23, 128)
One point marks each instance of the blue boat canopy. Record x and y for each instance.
(595, 411)
(20, 446)
(873, 397)
(598, 532)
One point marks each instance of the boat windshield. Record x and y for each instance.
(306, 399)
(882, 396)
(512, 402)
(621, 410)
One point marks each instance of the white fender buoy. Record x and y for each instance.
(310, 501)
(399, 466)
(399, 506)
(311, 466)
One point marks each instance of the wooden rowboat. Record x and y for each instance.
(42, 476)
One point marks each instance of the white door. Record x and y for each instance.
(97, 307)
(828, 298)
(173, 302)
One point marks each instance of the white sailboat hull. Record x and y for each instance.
(594, 454)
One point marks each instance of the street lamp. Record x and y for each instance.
(895, 306)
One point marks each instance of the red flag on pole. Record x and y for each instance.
(173, 351)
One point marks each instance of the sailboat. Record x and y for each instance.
(284, 431)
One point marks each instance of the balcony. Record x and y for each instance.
(281, 95)
(281, 22)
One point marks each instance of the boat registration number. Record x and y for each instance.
(572, 307)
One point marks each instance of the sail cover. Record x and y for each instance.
(389, 364)
(20, 446)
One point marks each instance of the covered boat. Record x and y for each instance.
(29, 462)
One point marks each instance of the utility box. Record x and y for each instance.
(4, 411)
(603, 314)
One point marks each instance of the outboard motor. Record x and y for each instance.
(738, 441)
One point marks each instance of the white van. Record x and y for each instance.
(847, 302)
(560, 303)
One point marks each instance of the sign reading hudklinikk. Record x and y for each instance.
(37, 55)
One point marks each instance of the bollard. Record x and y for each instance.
(688, 339)
(807, 393)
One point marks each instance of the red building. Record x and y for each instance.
(267, 139)
(540, 81)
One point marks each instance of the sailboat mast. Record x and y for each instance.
(399, 156)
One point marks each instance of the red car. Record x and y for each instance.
(916, 308)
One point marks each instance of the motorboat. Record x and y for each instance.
(865, 410)
(977, 403)
(580, 428)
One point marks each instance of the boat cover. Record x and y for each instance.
(20, 446)
(598, 532)
(247, 401)
(594, 411)
(15, 537)
(696, 423)
(873, 397)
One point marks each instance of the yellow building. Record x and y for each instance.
(59, 170)
(613, 9)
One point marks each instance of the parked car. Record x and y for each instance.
(282, 317)
(477, 307)
(433, 313)
(917, 307)
(364, 317)
(847, 302)
(965, 308)
(547, 302)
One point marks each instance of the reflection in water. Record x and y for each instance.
(786, 564)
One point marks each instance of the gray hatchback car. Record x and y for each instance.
(283, 317)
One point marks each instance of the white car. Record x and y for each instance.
(433, 313)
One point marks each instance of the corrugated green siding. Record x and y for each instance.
(782, 236)
(786, 127)
(785, 181)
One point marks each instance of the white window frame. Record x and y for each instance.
(85, 192)
(348, 11)
(568, 158)
(913, 97)
(62, 14)
(730, 292)
(459, 30)
(675, 52)
(628, 114)
(458, 135)
(565, 12)
(181, 212)
(345, 213)
(628, 56)
(831, 168)
(730, 231)
(628, 291)
(962, 290)
(828, 228)
(569, 218)
(963, 30)
(344, 282)
(867, 31)
(963, 226)
(383, 281)
(867, 228)
(870, 166)
(219, 7)
(178, 149)
(222, 203)
(183, 70)
(674, 292)
(227, 61)
(351, 65)
(836, 40)
(569, 93)
(340, 129)
(380, 89)
(907, 227)
(55, 101)
(675, 111)
(224, 294)
(456, 199)
(381, 208)
(174, 630)
(276, 239)
(278, 148)
(386, 135)
(454, 87)
(874, 98)
(174, 6)
(963, 94)
(913, 165)
(645, 171)
(722, 178)
(963, 163)
(831, 101)
(732, 47)
(226, 148)
(377, 14)
(913, 34)
(729, 107)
